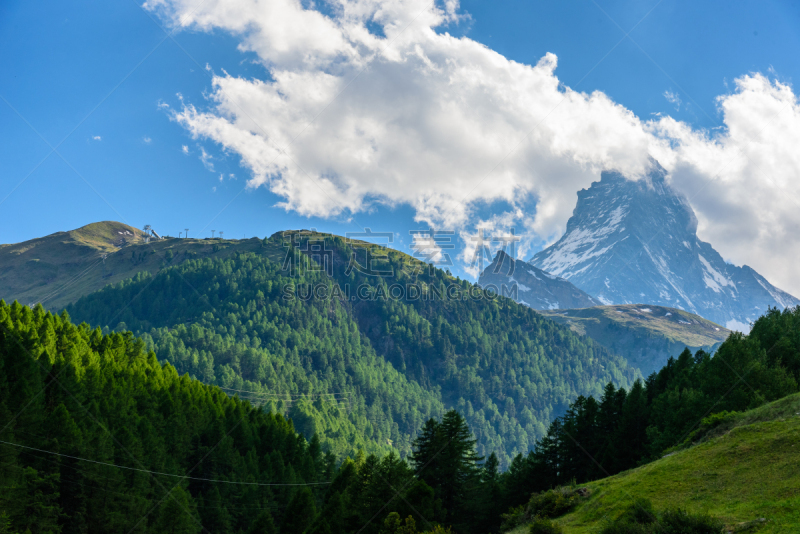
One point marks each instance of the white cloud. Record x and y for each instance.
(421, 118)
(97, 138)
(742, 181)
(147, 140)
(674, 99)
(426, 248)
(185, 149)
(348, 120)
(206, 158)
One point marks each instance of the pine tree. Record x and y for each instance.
(263, 524)
(491, 498)
(300, 513)
(177, 514)
(445, 458)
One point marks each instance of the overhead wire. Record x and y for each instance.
(307, 395)
(272, 506)
(159, 472)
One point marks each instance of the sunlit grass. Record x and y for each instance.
(749, 469)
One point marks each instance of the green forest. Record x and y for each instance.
(98, 436)
(361, 373)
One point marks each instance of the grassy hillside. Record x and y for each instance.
(58, 269)
(743, 469)
(645, 335)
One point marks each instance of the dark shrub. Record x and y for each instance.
(555, 502)
(641, 518)
(682, 522)
(541, 525)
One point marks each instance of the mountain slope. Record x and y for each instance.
(32, 271)
(58, 269)
(531, 286)
(647, 336)
(633, 242)
(225, 322)
(97, 436)
(748, 471)
(278, 324)
(495, 360)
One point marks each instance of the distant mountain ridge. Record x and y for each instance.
(58, 269)
(532, 286)
(647, 336)
(636, 241)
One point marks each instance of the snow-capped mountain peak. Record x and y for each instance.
(635, 241)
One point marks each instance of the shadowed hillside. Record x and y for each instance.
(647, 336)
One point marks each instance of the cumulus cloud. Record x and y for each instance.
(348, 119)
(185, 149)
(97, 138)
(147, 140)
(742, 181)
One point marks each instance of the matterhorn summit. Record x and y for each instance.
(635, 241)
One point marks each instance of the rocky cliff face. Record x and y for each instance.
(531, 286)
(636, 242)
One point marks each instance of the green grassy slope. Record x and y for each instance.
(645, 335)
(58, 269)
(745, 469)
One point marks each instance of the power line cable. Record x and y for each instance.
(283, 395)
(158, 472)
(63, 479)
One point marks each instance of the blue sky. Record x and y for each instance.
(91, 78)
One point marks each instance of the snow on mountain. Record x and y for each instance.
(533, 287)
(636, 242)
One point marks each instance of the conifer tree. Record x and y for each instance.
(263, 524)
(177, 514)
(300, 513)
(445, 458)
